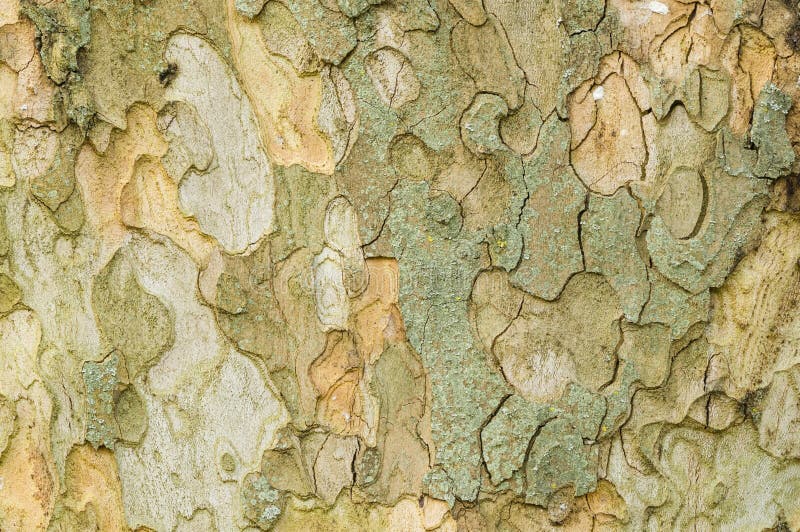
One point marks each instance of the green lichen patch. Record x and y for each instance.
(775, 152)
(507, 436)
(249, 8)
(609, 228)
(102, 382)
(671, 305)
(480, 124)
(261, 503)
(549, 223)
(772, 156)
(438, 264)
(559, 458)
(331, 34)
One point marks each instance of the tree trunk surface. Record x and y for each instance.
(404, 265)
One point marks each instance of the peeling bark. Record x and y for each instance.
(399, 265)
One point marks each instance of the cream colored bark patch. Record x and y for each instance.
(203, 399)
(8, 11)
(234, 199)
(28, 485)
(339, 271)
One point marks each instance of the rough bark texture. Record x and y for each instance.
(399, 264)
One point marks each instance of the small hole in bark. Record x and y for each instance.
(166, 76)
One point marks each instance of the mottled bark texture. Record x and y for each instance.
(399, 265)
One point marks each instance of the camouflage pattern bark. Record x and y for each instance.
(399, 265)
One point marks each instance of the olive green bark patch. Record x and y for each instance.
(134, 321)
(56, 184)
(395, 467)
(582, 15)
(131, 415)
(520, 129)
(250, 315)
(285, 470)
(647, 349)
(707, 95)
(125, 62)
(10, 293)
(412, 159)
(4, 243)
(732, 213)
(70, 214)
(64, 28)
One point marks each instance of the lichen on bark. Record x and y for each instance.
(399, 265)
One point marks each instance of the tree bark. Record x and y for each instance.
(399, 265)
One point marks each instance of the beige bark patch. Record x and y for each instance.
(35, 95)
(682, 201)
(752, 330)
(93, 488)
(9, 9)
(471, 10)
(780, 415)
(539, 44)
(393, 77)
(29, 483)
(103, 177)
(550, 344)
(613, 151)
(343, 371)
(148, 201)
(481, 51)
(285, 103)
